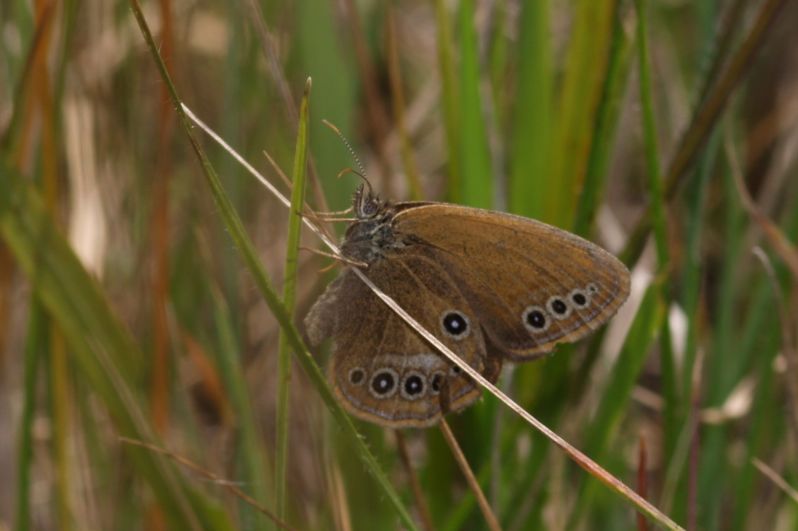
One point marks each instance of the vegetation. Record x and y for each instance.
(147, 385)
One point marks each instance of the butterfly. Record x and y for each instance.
(494, 287)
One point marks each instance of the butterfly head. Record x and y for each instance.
(366, 204)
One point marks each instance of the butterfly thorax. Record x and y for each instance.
(372, 235)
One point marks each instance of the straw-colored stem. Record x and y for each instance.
(482, 501)
(207, 474)
(415, 484)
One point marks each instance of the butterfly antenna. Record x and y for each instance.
(361, 170)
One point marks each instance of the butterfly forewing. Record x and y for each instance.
(531, 285)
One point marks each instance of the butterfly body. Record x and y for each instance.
(491, 286)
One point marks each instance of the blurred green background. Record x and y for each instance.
(663, 130)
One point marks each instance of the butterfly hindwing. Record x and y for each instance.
(381, 369)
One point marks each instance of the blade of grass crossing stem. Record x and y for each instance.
(581, 90)
(615, 81)
(617, 393)
(247, 250)
(289, 299)
(450, 100)
(101, 347)
(532, 116)
(477, 183)
(251, 462)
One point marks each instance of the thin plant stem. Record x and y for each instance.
(777, 480)
(650, 137)
(415, 484)
(482, 501)
(289, 299)
(207, 474)
(642, 481)
(32, 357)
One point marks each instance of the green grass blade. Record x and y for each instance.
(650, 139)
(320, 52)
(532, 116)
(576, 109)
(33, 353)
(450, 100)
(477, 172)
(615, 81)
(289, 300)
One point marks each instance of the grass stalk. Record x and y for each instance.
(580, 93)
(60, 399)
(252, 462)
(530, 155)
(227, 485)
(415, 484)
(247, 250)
(476, 168)
(289, 300)
(650, 140)
(614, 84)
(32, 362)
(473, 484)
(450, 100)
(398, 100)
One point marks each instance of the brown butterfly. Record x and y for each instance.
(492, 286)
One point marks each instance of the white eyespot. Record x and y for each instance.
(357, 376)
(579, 299)
(535, 319)
(414, 385)
(558, 307)
(455, 324)
(592, 288)
(384, 383)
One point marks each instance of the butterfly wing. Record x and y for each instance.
(532, 285)
(381, 369)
